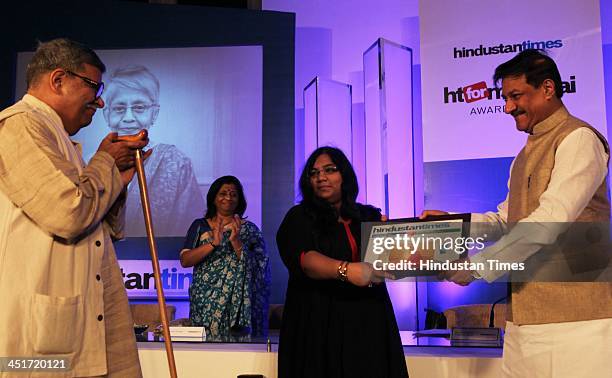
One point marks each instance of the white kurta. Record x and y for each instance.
(560, 350)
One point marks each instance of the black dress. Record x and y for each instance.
(332, 328)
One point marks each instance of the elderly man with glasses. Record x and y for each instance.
(61, 287)
(132, 99)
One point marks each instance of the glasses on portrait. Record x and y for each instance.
(230, 195)
(327, 170)
(98, 87)
(135, 109)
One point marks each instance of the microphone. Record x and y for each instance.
(492, 313)
(479, 336)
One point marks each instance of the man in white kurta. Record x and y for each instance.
(555, 329)
(61, 287)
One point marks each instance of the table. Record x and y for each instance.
(426, 357)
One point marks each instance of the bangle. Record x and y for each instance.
(211, 244)
(342, 271)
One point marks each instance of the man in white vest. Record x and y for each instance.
(61, 287)
(554, 329)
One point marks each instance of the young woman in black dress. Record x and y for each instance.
(338, 320)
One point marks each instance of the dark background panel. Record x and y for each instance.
(129, 25)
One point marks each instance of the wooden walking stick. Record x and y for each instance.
(146, 209)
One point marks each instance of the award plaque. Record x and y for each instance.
(411, 247)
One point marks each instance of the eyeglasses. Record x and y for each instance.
(136, 108)
(328, 170)
(98, 87)
(230, 195)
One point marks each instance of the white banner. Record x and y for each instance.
(462, 42)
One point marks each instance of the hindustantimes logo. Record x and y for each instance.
(463, 52)
(481, 91)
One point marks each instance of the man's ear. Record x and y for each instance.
(549, 88)
(56, 80)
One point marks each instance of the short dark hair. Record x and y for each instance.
(535, 65)
(60, 53)
(211, 208)
(349, 187)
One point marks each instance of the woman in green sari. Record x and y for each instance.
(231, 276)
